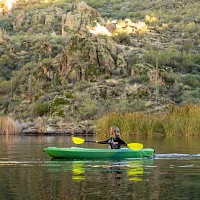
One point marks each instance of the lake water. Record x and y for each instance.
(27, 173)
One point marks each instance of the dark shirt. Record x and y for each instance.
(111, 141)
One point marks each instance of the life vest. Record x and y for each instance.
(111, 144)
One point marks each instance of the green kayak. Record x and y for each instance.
(90, 153)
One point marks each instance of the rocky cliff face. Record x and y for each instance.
(71, 65)
(84, 56)
(79, 46)
(88, 55)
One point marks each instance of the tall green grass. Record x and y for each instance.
(184, 120)
(8, 126)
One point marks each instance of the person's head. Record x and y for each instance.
(115, 132)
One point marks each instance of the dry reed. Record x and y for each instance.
(184, 120)
(8, 126)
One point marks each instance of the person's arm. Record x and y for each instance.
(120, 141)
(102, 142)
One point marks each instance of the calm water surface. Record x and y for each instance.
(27, 173)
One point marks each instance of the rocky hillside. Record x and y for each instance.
(64, 63)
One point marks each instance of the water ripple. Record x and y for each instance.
(177, 156)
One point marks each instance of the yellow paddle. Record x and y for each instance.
(134, 146)
(78, 140)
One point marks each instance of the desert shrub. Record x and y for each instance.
(5, 87)
(178, 61)
(176, 18)
(191, 27)
(169, 78)
(32, 66)
(134, 105)
(190, 96)
(49, 63)
(124, 105)
(116, 7)
(82, 85)
(60, 100)
(191, 80)
(122, 38)
(41, 109)
(6, 66)
(96, 4)
(2, 79)
(120, 15)
(73, 76)
(89, 108)
(58, 112)
(197, 59)
(193, 68)
(4, 103)
(139, 79)
(171, 25)
(151, 19)
(68, 94)
(175, 92)
(135, 15)
(114, 2)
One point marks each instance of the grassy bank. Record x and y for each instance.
(8, 126)
(184, 120)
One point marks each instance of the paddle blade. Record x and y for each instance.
(78, 140)
(135, 146)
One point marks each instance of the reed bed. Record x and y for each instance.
(184, 120)
(8, 126)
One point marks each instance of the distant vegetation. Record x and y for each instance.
(184, 120)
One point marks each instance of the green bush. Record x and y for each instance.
(116, 7)
(190, 96)
(41, 109)
(7, 66)
(68, 94)
(139, 79)
(191, 80)
(4, 103)
(171, 57)
(96, 4)
(89, 108)
(82, 85)
(58, 113)
(122, 38)
(5, 87)
(60, 100)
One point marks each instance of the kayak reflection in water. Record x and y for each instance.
(115, 140)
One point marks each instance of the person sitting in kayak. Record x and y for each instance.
(115, 140)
